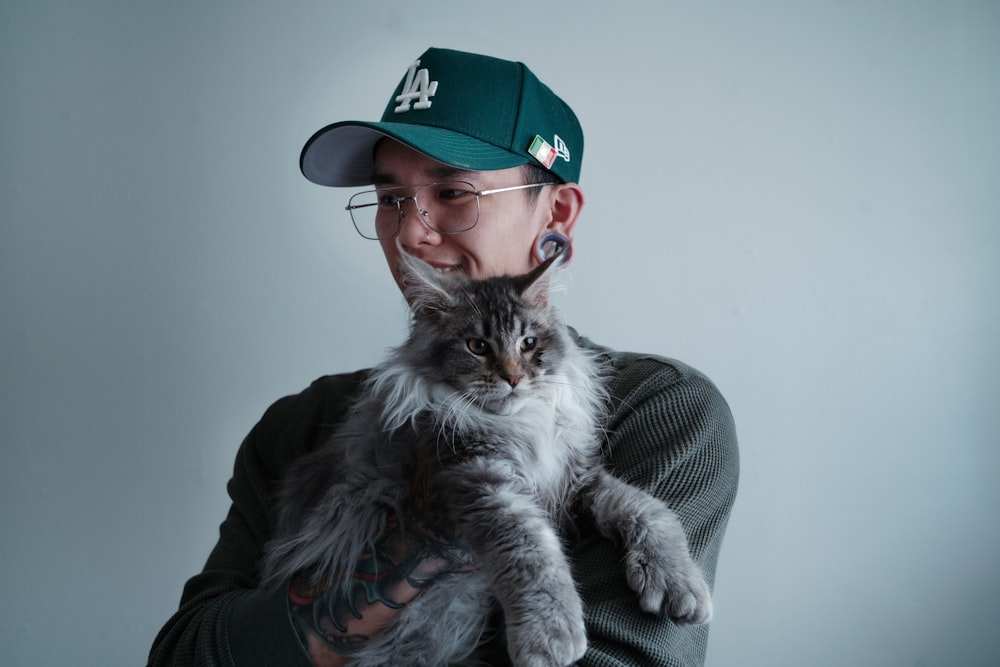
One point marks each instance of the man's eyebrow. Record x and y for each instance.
(443, 172)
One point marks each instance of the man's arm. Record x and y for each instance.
(224, 618)
(671, 434)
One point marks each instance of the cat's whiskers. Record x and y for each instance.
(456, 406)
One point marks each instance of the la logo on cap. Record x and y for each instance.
(417, 90)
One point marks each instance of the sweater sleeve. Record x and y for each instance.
(672, 434)
(223, 617)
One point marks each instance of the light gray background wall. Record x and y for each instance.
(799, 198)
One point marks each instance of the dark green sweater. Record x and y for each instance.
(670, 432)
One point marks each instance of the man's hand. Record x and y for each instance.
(338, 616)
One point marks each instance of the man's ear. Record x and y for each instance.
(565, 204)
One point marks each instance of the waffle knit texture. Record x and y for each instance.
(670, 433)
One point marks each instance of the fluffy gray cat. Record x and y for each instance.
(498, 413)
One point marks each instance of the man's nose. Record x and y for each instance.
(413, 227)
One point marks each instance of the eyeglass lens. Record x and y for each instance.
(446, 208)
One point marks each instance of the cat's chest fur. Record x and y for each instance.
(550, 444)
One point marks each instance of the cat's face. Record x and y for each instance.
(494, 341)
(495, 351)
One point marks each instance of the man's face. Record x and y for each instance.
(503, 240)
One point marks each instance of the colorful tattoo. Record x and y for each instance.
(392, 574)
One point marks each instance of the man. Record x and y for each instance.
(491, 127)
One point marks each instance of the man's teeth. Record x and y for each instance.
(448, 269)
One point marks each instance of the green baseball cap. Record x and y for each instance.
(463, 109)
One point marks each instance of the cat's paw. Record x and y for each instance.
(554, 638)
(672, 587)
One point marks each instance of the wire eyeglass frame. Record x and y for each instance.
(358, 206)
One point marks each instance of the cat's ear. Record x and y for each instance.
(536, 284)
(426, 290)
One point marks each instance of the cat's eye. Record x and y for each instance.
(528, 344)
(478, 346)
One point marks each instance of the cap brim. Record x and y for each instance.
(342, 154)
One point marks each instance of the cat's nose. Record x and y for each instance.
(512, 380)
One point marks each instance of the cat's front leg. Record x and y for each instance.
(543, 611)
(658, 564)
(528, 569)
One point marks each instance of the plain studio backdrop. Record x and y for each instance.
(801, 199)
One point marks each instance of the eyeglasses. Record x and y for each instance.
(449, 207)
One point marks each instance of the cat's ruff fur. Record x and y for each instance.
(512, 439)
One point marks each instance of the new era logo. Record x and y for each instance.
(417, 90)
(562, 150)
(546, 153)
